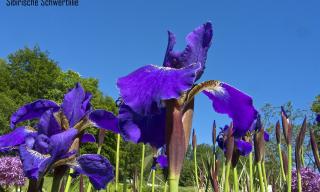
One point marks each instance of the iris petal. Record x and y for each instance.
(15, 138)
(75, 104)
(48, 124)
(60, 143)
(198, 43)
(32, 111)
(266, 136)
(88, 138)
(238, 106)
(104, 119)
(162, 160)
(97, 168)
(34, 163)
(144, 89)
(137, 128)
(244, 147)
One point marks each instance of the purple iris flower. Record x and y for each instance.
(146, 90)
(160, 160)
(318, 118)
(50, 143)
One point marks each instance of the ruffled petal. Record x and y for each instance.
(238, 105)
(96, 167)
(48, 124)
(198, 43)
(144, 89)
(104, 119)
(16, 137)
(146, 129)
(34, 163)
(32, 111)
(76, 104)
(244, 147)
(42, 144)
(61, 142)
(88, 138)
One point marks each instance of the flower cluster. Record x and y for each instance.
(310, 180)
(11, 172)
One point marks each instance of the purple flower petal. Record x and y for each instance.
(146, 129)
(15, 138)
(76, 104)
(162, 160)
(144, 89)
(61, 142)
(266, 136)
(88, 138)
(104, 119)
(318, 118)
(238, 106)
(97, 168)
(198, 43)
(244, 147)
(34, 163)
(48, 124)
(32, 111)
(42, 144)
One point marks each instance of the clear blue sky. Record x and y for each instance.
(269, 49)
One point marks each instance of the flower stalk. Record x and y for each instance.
(153, 179)
(117, 162)
(251, 171)
(235, 179)
(142, 167)
(194, 146)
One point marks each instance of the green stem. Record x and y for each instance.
(153, 179)
(302, 156)
(251, 171)
(68, 181)
(89, 185)
(299, 181)
(142, 167)
(264, 175)
(195, 166)
(165, 187)
(223, 174)
(289, 176)
(235, 179)
(283, 175)
(173, 183)
(226, 182)
(262, 187)
(57, 178)
(117, 160)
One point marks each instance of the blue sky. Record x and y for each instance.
(269, 49)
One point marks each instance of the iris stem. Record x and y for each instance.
(302, 156)
(283, 175)
(68, 181)
(235, 179)
(142, 167)
(251, 171)
(299, 181)
(195, 166)
(289, 176)
(173, 183)
(153, 179)
(89, 185)
(117, 160)
(226, 182)
(57, 178)
(264, 175)
(262, 187)
(165, 187)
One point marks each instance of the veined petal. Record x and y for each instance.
(16, 137)
(34, 163)
(88, 138)
(60, 143)
(75, 104)
(244, 147)
(96, 167)
(144, 89)
(32, 111)
(48, 124)
(198, 43)
(146, 129)
(104, 119)
(238, 105)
